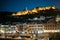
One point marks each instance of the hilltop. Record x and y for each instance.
(41, 16)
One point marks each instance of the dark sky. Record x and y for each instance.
(19, 5)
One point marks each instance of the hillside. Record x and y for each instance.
(41, 17)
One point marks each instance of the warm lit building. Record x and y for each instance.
(34, 10)
(52, 27)
(48, 27)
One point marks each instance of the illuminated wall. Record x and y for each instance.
(35, 10)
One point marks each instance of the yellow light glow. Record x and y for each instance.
(22, 13)
(18, 13)
(57, 19)
(48, 8)
(41, 8)
(13, 14)
(53, 7)
(50, 30)
(35, 10)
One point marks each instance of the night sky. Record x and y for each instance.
(19, 5)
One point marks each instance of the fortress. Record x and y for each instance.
(33, 11)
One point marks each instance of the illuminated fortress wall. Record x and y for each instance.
(35, 10)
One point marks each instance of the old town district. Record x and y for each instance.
(31, 31)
